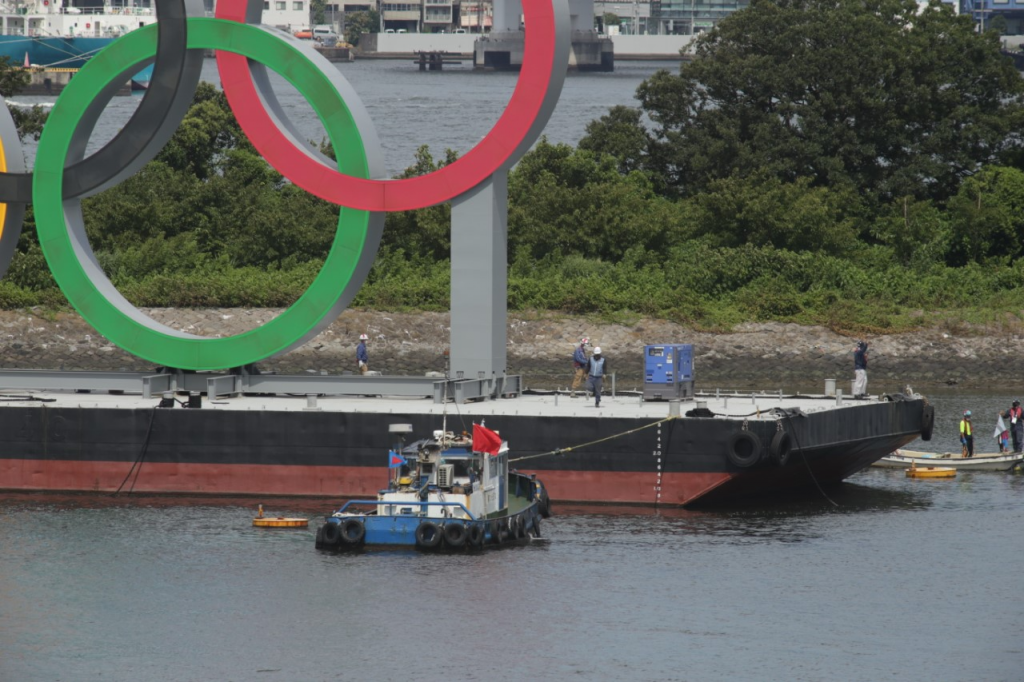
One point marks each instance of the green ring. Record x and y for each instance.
(128, 327)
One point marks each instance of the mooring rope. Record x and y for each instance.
(562, 451)
(138, 460)
(806, 463)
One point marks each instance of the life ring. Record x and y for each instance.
(927, 422)
(781, 447)
(353, 531)
(331, 533)
(476, 535)
(428, 535)
(454, 534)
(744, 449)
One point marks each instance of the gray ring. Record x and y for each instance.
(14, 218)
(165, 103)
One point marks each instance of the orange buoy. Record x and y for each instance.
(280, 522)
(931, 472)
(262, 521)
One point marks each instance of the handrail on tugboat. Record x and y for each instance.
(376, 503)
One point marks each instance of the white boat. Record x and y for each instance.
(51, 33)
(988, 461)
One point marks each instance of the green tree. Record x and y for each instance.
(876, 95)
(426, 232)
(358, 23)
(917, 231)
(987, 217)
(764, 211)
(569, 201)
(317, 12)
(621, 134)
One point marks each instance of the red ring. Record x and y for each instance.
(467, 172)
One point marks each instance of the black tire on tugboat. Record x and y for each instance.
(519, 527)
(536, 526)
(455, 534)
(320, 537)
(744, 449)
(331, 533)
(544, 503)
(428, 535)
(496, 532)
(781, 447)
(353, 531)
(927, 422)
(476, 535)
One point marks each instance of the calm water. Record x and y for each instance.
(452, 109)
(904, 580)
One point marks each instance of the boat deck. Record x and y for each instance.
(732, 405)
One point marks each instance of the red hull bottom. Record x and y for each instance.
(254, 479)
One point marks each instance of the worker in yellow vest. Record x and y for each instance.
(967, 435)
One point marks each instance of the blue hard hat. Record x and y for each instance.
(967, 413)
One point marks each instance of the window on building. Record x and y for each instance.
(297, 6)
(281, 5)
(266, 5)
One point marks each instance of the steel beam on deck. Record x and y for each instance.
(216, 384)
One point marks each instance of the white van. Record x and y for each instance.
(325, 34)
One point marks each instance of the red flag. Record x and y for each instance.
(485, 440)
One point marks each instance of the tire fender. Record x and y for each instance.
(927, 422)
(744, 449)
(331, 534)
(781, 447)
(353, 531)
(455, 534)
(428, 535)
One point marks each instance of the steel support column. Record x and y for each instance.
(479, 299)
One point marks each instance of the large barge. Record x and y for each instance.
(714, 448)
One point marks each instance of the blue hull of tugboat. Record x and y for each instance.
(348, 531)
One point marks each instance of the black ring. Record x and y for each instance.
(175, 77)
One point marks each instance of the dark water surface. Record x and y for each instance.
(905, 579)
(452, 109)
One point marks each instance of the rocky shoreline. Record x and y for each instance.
(754, 355)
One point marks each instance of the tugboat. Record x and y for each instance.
(446, 493)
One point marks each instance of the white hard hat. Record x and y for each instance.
(597, 351)
(363, 337)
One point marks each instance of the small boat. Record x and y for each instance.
(995, 461)
(450, 492)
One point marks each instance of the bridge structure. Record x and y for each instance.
(503, 47)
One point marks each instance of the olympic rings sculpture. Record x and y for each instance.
(63, 175)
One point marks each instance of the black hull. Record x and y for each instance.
(677, 462)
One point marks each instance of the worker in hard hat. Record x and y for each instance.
(579, 363)
(967, 434)
(597, 368)
(361, 357)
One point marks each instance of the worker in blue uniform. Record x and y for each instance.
(362, 358)
(597, 368)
